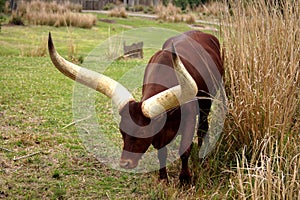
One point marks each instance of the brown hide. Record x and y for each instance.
(157, 70)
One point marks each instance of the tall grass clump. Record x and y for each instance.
(262, 61)
(211, 10)
(39, 49)
(172, 13)
(54, 14)
(118, 12)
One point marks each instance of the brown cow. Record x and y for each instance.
(178, 83)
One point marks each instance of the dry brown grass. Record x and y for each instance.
(212, 9)
(54, 14)
(262, 63)
(164, 12)
(262, 60)
(190, 18)
(118, 12)
(172, 13)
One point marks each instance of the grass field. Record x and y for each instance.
(257, 158)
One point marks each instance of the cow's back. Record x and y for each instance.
(200, 54)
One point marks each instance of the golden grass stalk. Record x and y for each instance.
(271, 176)
(262, 63)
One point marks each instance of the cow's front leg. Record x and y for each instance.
(187, 130)
(162, 157)
(185, 175)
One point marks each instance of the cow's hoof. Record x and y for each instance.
(163, 175)
(185, 178)
(164, 181)
(163, 178)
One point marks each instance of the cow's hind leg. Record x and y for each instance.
(204, 105)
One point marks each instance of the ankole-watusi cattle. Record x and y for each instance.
(178, 83)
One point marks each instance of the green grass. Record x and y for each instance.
(36, 102)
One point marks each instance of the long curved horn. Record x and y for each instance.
(99, 82)
(175, 96)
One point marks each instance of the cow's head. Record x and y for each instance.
(140, 121)
(134, 127)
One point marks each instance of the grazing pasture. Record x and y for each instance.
(258, 156)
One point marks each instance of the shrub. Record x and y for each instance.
(135, 8)
(165, 2)
(1, 19)
(16, 19)
(149, 9)
(167, 13)
(181, 4)
(108, 6)
(184, 4)
(138, 8)
(172, 13)
(118, 12)
(2, 5)
(195, 3)
(190, 18)
(54, 14)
